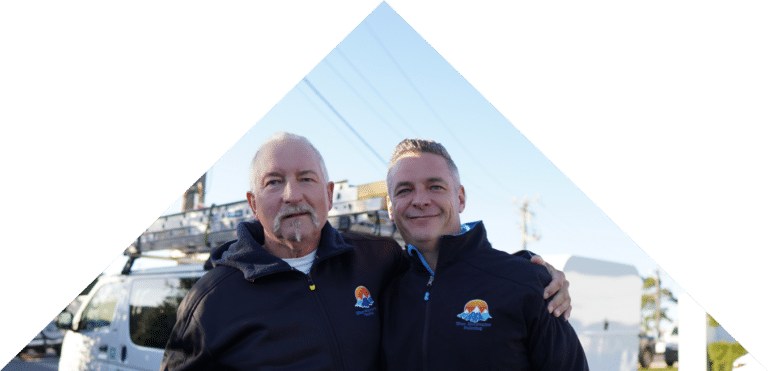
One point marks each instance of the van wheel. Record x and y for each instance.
(646, 358)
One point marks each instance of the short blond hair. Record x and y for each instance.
(407, 146)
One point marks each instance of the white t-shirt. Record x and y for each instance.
(303, 263)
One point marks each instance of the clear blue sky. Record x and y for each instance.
(388, 83)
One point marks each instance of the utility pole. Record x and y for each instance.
(526, 216)
(657, 312)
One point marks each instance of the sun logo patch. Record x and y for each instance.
(363, 297)
(475, 311)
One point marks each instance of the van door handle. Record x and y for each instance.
(123, 353)
(103, 348)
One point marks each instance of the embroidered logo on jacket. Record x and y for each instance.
(363, 297)
(475, 311)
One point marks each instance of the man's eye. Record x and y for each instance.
(436, 187)
(307, 180)
(402, 191)
(272, 182)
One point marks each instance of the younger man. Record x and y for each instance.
(462, 304)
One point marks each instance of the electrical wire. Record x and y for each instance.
(431, 109)
(378, 94)
(365, 101)
(342, 119)
(342, 132)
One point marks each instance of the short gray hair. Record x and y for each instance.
(422, 146)
(280, 137)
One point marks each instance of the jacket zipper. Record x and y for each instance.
(328, 324)
(311, 283)
(428, 304)
(337, 353)
(424, 336)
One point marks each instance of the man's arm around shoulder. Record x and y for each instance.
(553, 343)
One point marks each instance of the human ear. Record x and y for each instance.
(462, 199)
(252, 203)
(389, 210)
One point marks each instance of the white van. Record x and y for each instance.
(125, 320)
(606, 300)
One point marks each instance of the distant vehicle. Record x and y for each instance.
(747, 363)
(50, 337)
(670, 353)
(647, 350)
(606, 314)
(125, 320)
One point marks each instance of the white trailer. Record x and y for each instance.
(606, 309)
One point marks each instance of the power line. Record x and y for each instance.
(343, 120)
(480, 191)
(365, 101)
(367, 158)
(376, 91)
(481, 194)
(431, 109)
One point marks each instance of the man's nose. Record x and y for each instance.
(420, 198)
(291, 192)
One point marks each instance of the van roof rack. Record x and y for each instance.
(360, 209)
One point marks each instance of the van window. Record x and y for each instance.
(101, 309)
(153, 306)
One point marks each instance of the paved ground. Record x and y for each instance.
(31, 361)
(658, 362)
(33, 364)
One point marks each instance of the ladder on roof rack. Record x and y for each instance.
(360, 209)
(194, 231)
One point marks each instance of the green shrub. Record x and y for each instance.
(722, 355)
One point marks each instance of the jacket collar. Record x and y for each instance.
(248, 254)
(471, 239)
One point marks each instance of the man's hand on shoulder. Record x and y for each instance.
(561, 302)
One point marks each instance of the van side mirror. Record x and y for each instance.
(64, 321)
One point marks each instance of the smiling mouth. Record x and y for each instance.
(420, 216)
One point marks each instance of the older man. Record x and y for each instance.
(291, 293)
(462, 304)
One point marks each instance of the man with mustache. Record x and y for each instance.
(291, 293)
(462, 304)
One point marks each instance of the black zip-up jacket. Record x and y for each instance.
(481, 309)
(252, 311)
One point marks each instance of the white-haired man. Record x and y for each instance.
(291, 293)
